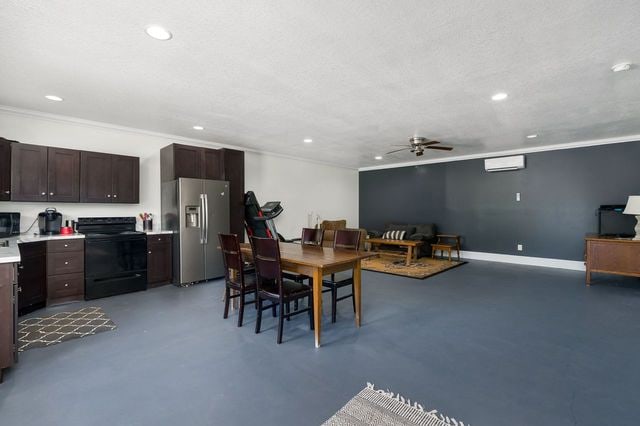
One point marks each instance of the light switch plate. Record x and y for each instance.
(519, 247)
(517, 196)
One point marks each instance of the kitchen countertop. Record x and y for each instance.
(158, 232)
(11, 254)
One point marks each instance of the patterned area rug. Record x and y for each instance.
(47, 331)
(378, 407)
(421, 269)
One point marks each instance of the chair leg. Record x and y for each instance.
(280, 322)
(310, 307)
(295, 305)
(288, 308)
(241, 311)
(226, 302)
(334, 303)
(259, 319)
(255, 297)
(353, 297)
(273, 311)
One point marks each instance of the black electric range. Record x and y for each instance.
(115, 256)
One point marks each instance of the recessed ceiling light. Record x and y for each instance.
(623, 66)
(54, 98)
(198, 128)
(159, 33)
(532, 136)
(499, 96)
(307, 140)
(378, 157)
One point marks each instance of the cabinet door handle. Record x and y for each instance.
(66, 245)
(66, 284)
(149, 251)
(44, 193)
(108, 195)
(51, 193)
(7, 192)
(115, 195)
(19, 289)
(66, 263)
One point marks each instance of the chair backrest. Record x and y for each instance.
(232, 257)
(266, 258)
(312, 236)
(347, 239)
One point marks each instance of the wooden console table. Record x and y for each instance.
(410, 245)
(610, 255)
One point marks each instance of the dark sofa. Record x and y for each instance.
(425, 232)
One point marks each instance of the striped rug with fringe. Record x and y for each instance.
(377, 407)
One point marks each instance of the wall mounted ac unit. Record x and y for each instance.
(502, 164)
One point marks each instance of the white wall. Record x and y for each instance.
(303, 187)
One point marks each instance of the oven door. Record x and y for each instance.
(115, 265)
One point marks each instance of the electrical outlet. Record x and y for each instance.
(517, 196)
(519, 247)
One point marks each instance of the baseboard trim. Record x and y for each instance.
(573, 265)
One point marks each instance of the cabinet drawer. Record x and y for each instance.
(67, 285)
(60, 246)
(65, 263)
(158, 239)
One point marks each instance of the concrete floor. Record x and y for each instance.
(487, 343)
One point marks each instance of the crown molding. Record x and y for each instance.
(175, 138)
(528, 150)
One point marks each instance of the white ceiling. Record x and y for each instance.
(356, 76)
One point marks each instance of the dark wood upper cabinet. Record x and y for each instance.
(64, 175)
(188, 161)
(233, 162)
(126, 179)
(107, 178)
(28, 172)
(5, 169)
(95, 177)
(213, 167)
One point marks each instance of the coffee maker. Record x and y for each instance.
(49, 221)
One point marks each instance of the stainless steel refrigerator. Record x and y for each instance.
(196, 210)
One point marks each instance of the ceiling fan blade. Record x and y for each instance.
(443, 148)
(397, 150)
(428, 143)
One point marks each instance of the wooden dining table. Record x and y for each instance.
(316, 262)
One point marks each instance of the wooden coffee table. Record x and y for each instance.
(411, 246)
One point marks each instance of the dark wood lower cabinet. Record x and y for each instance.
(8, 315)
(65, 271)
(32, 277)
(159, 260)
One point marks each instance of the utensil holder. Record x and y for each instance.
(147, 225)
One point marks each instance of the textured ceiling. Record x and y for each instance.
(356, 76)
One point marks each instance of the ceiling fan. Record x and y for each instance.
(418, 144)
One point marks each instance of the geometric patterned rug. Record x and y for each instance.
(378, 407)
(422, 268)
(47, 331)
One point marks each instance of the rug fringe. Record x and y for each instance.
(448, 420)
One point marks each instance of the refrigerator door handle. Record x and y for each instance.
(206, 218)
(201, 219)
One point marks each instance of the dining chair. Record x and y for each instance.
(272, 287)
(236, 275)
(344, 239)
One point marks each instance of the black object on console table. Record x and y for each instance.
(115, 256)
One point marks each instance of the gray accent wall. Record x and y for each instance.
(560, 192)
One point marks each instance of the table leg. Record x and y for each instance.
(317, 304)
(357, 293)
(409, 255)
(588, 277)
